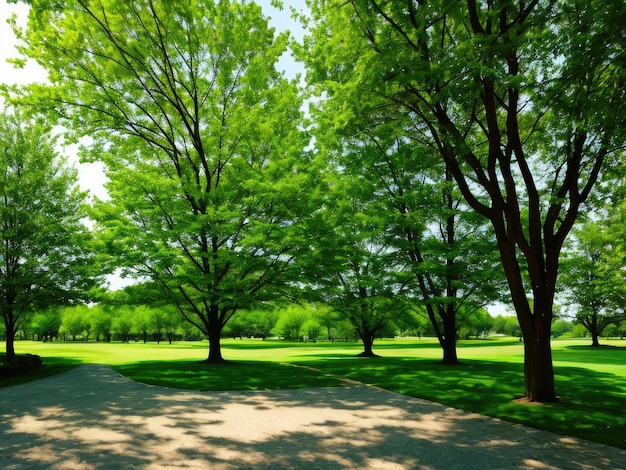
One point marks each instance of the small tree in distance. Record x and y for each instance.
(593, 281)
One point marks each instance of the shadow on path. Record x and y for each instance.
(93, 418)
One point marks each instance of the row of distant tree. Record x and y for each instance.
(293, 323)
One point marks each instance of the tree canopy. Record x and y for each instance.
(522, 101)
(199, 133)
(47, 254)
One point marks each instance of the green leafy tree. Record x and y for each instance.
(200, 135)
(593, 280)
(477, 324)
(351, 266)
(449, 247)
(257, 323)
(45, 325)
(166, 319)
(122, 323)
(101, 322)
(328, 319)
(142, 321)
(290, 322)
(561, 327)
(76, 322)
(506, 325)
(45, 251)
(522, 101)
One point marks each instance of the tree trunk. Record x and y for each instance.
(367, 337)
(594, 339)
(215, 346)
(536, 331)
(449, 339)
(10, 341)
(538, 369)
(9, 324)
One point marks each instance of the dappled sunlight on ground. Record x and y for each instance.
(91, 418)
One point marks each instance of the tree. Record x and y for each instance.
(522, 100)
(76, 321)
(252, 323)
(446, 244)
(45, 251)
(101, 322)
(200, 135)
(290, 322)
(478, 324)
(508, 325)
(46, 324)
(351, 266)
(593, 280)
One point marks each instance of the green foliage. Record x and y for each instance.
(506, 325)
(46, 325)
(562, 327)
(593, 280)
(291, 321)
(252, 324)
(200, 136)
(514, 99)
(46, 253)
(478, 325)
(76, 322)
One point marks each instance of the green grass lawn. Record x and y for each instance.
(590, 382)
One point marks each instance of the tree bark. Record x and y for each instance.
(215, 346)
(9, 324)
(10, 348)
(449, 340)
(538, 369)
(595, 342)
(367, 337)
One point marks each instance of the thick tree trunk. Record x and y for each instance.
(536, 331)
(215, 345)
(594, 339)
(367, 337)
(449, 340)
(10, 349)
(538, 369)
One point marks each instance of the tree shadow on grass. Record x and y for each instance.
(51, 366)
(590, 406)
(235, 375)
(91, 417)
(587, 354)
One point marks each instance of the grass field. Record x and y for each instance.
(590, 382)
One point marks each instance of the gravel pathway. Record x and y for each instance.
(93, 418)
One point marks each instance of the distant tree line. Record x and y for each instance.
(311, 323)
(308, 322)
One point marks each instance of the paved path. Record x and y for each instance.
(93, 418)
